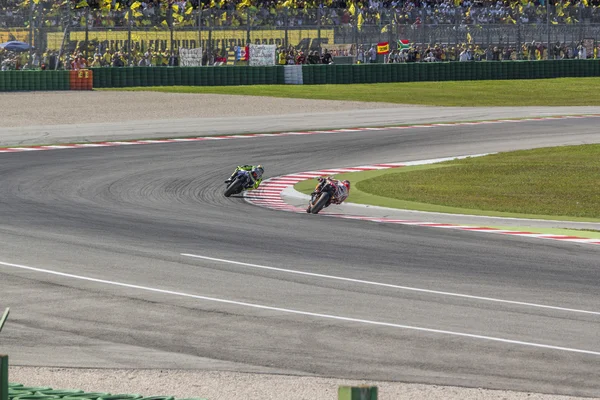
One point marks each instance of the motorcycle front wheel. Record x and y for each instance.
(320, 203)
(233, 188)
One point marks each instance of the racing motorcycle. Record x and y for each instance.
(321, 197)
(240, 182)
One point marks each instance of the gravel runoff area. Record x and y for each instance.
(38, 118)
(234, 385)
(75, 107)
(53, 117)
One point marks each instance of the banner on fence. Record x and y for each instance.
(340, 50)
(262, 55)
(190, 57)
(219, 39)
(8, 35)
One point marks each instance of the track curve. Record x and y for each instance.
(125, 215)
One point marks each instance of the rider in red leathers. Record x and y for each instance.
(342, 189)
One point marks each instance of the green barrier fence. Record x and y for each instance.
(33, 80)
(187, 76)
(456, 71)
(312, 74)
(3, 377)
(357, 393)
(17, 391)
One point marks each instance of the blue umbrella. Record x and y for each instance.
(14, 46)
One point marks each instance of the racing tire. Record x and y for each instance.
(234, 188)
(320, 203)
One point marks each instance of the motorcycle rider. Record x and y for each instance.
(256, 173)
(342, 189)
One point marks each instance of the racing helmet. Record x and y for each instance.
(346, 183)
(257, 172)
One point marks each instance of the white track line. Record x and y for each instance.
(339, 278)
(307, 313)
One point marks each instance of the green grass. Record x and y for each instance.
(587, 234)
(535, 92)
(561, 183)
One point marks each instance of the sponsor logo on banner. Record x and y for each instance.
(219, 39)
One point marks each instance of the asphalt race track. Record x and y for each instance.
(124, 215)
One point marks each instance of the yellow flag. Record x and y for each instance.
(38, 2)
(189, 11)
(135, 5)
(164, 23)
(385, 28)
(175, 8)
(469, 38)
(360, 21)
(244, 4)
(352, 9)
(585, 2)
(82, 3)
(136, 14)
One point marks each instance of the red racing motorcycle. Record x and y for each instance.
(322, 196)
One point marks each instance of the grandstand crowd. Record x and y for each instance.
(285, 56)
(274, 13)
(380, 16)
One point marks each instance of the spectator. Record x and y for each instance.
(327, 58)
(282, 57)
(79, 62)
(173, 60)
(313, 58)
(581, 52)
(97, 62)
(372, 54)
(301, 59)
(489, 53)
(360, 57)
